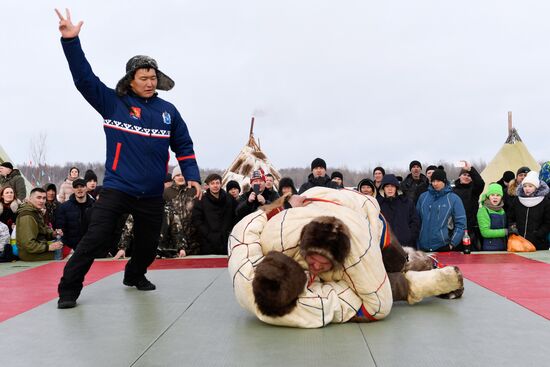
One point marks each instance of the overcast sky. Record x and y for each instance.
(355, 82)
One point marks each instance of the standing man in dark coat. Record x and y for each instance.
(140, 128)
(399, 211)
(469, 187)
(214, 217)
(318, 176)
(71, 216)
(415, 183)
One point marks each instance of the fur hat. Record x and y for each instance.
(232, 185)
(278, 281)
(414, 163)
(142, 62)
(318, 162)
(532, 178)
(7, 165)
(439, 175)
(326, 236)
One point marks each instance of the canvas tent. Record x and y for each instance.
(5, 158)
(249, 159)
(511, 156)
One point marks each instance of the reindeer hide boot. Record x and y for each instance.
(434, 282)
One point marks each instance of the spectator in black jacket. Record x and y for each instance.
(71, 215)
(318, 176)
(338, 177)
(415, 183)
(504, 182)
(529, 214)
(286, 186)
(269, 182)
(469, 187)
(399, 211)
(256, 197)
(213, 217)
(234, 189)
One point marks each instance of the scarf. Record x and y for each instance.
(496, 208)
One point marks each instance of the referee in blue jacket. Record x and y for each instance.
(140, 128)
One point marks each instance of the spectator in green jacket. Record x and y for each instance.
(12, 177)
(491, 219)
(32, 234)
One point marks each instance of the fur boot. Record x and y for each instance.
(434, 282)
(417, 260)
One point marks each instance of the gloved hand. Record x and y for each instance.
(513, 229)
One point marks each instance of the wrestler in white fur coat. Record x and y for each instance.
(339, 295)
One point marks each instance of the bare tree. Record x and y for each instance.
(40, 172)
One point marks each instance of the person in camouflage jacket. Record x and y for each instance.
(178, 235)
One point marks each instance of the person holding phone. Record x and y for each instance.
(257, 196)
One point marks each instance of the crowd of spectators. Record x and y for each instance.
(425, 210)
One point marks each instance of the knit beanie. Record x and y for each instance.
(414, 163)
(337, 174)
(439, 175)
(258, 174)
(464, 171)
(326, 236)
(318, 162)
(523, 170)
(531, 178)
(176, 171)
(90, 176)
(508, 176)
(366, 182)
(286, 182)
(431, 167)
(278, 281)
(7, 165)
(232, 185)
(494, 189)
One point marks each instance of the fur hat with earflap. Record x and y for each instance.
(326, 236)
(278, 281)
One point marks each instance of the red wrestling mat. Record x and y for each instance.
(523, 281)
(23, 291)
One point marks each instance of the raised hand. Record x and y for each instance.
(66, 26)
